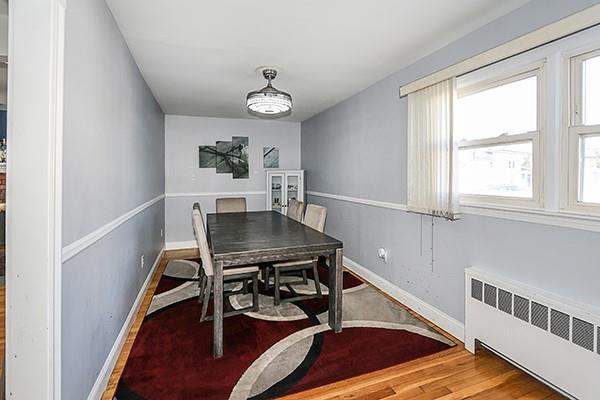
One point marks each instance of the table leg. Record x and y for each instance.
(218, 310)
(336, 286)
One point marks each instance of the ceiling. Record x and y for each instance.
(199, 57)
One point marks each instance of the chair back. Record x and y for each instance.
(315, 217)
(231, 205)
(202, 241)
(295, 210)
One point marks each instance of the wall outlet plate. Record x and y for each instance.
(142, 262)
(383, 254)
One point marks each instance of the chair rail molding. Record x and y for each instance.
(562, 219)
(72, 249)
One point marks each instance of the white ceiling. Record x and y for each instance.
(199, 56)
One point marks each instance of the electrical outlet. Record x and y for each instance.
(161, 232)
(383, 254)
(142, 262)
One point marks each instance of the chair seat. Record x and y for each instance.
(295, 262)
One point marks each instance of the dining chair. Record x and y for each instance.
(314, 217)
(231, 204)
(238, 274)
(295, 210)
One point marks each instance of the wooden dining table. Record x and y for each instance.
(251, 238)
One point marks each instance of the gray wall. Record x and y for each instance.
(184, 134)
(113, 163)
(358, 148)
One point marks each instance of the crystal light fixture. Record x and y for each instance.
(269, 102)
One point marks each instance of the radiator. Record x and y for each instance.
(552, 337)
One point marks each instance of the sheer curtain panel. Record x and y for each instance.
(431, 171)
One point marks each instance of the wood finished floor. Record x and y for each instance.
(451, 374)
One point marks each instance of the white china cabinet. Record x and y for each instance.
(283, 186)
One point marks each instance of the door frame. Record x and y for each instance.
(34, 199)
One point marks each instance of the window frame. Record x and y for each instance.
(574, 130)
(535, 137)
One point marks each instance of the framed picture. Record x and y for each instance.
(208, 156)
(271, 157)
(239, 157)
(223, 157)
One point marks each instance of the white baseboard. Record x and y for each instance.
(115, 351)
(438, 317)
(190, 244)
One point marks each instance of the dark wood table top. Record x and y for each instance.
(262, 236)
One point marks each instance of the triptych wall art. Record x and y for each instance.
(231, 157)
(228, 157)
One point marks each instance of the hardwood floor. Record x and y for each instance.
(451, 374)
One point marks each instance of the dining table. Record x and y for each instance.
(260, 237)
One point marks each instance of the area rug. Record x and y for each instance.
(273, 352)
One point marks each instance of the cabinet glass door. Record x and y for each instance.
(293, 187)
(277, 192)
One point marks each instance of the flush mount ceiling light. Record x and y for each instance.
(269, 102)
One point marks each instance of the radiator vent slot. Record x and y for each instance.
(539, 315)
(583, 334)
(477, 289)
(522, 308)
(490, 295)
(505, 301)
(560, 324)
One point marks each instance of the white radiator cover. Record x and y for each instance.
(552, 337)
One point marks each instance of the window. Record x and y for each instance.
(498, 135)
(584, 132)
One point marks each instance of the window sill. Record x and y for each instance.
(566, 219)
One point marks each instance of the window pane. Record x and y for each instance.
(510, 108)
(501, 170)
(591, 91)
(590, 169)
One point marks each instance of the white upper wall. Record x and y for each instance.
(186, 183)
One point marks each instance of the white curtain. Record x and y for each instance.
(431, 188)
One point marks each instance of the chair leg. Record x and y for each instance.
(304, 277)
(201, 286)
(316, 276)
(206, 300)
(277, 283)
(255, 292)
(266, 276)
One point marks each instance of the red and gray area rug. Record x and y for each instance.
(270, 353)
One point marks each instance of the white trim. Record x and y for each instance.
(357, 200)
(210, 194)
(438, 317)
(190, 244)
(109, 364)
(564, 27)
(72, 249)
(33, 303)
(556, 218)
